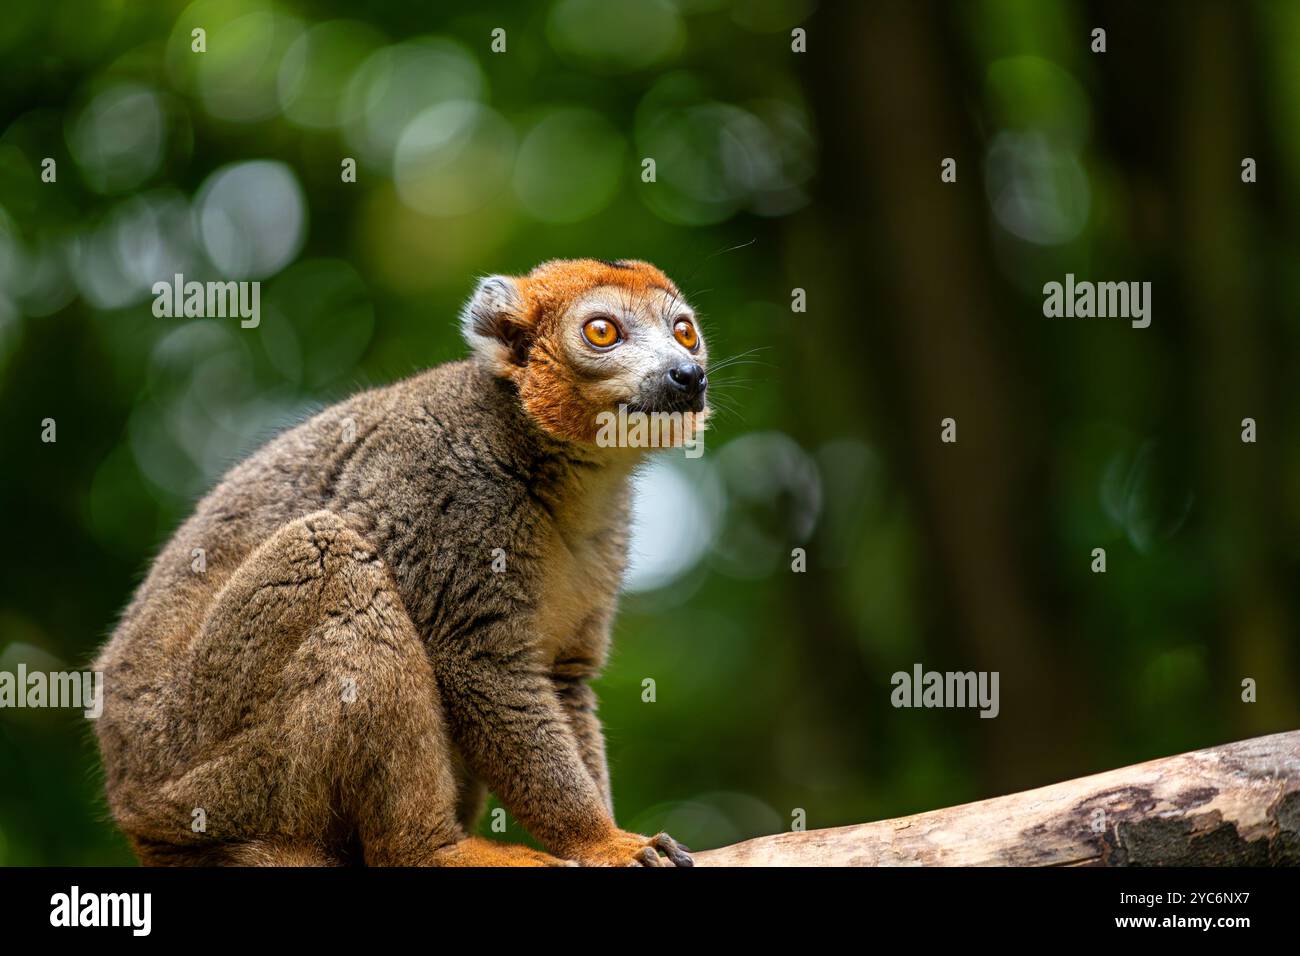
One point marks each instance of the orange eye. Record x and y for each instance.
(601, 333)
(684, 333)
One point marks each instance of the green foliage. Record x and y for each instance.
(772, 687)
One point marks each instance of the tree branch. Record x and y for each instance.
(1235, 805)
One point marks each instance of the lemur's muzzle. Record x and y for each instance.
(684, 387)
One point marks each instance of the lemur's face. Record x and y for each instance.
(643, 350)
(582, 337)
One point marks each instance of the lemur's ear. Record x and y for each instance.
(494, 325)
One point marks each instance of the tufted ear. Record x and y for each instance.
(494, 325)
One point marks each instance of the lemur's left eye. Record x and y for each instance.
(684, 332)
(601, 333)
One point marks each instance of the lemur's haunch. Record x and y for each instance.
(348, 670)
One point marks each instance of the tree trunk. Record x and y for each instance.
(1235, 805)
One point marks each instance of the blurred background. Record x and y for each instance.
(775, 170)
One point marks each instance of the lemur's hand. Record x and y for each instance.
(621, 848)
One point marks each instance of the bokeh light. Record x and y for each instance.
(251, 218)
(398, 83)
(570, 165)
(118, 138)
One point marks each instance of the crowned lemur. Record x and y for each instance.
(397, 606)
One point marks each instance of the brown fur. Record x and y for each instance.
(349, 675)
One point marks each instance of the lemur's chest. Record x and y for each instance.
(579, 588)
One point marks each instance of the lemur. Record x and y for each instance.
(398, 605)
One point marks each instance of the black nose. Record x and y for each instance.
(687, 378)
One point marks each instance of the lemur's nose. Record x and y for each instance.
(687, 378)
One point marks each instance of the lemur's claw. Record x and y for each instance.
(672, 849)
(631, 849)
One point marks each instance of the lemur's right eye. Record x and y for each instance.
(601, 333)
(684, 333)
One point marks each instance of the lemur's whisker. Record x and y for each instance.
(745, 354)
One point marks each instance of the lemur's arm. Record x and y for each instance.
(579, 703)
(507, 720)
(506, 717)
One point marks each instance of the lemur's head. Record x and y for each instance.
(583, 336)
